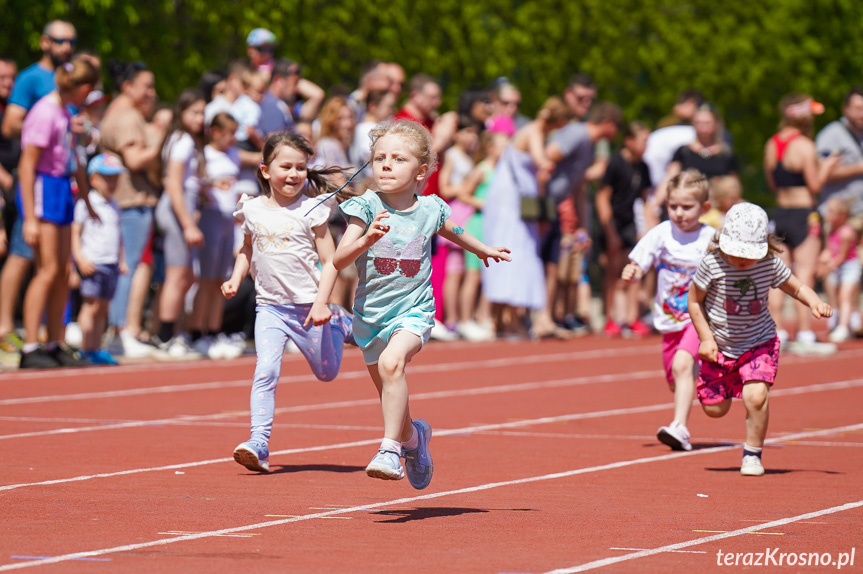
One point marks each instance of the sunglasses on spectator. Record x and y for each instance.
(61, 41)
(265, 49)
(511, 102)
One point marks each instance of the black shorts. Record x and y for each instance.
(627, 232)
(549, 243)
(792, 226)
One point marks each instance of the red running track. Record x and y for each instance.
(545, 460)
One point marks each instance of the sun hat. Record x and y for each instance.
(106, 164)
(744, 233)
(259, 37)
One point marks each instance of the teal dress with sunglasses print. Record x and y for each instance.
(395, 291)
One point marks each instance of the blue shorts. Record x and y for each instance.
(54, 200)
(373, 341)
(102, 283)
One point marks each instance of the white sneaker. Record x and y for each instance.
(816, 348)
(806, 337)
(675, 435)
(840, 334)
(178, 348)
(230, 347)
(74, 337)
(132, 348)
(440, 332)
(855, 321)
(204, 346)
(291, 347)
(751, 466)
(471, 331)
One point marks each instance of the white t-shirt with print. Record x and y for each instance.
(676, 255)
(180, 148)
(100, 240)
(223, 169)
(284, 256)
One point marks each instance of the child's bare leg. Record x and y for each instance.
(718, 410)
(846, 292)
(392, 384)
(101, 322)
(683, 369)
(468, 295)
(87, 322)
(756, 401)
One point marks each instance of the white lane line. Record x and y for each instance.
(698, 541)
(443, 432)
(433, 368)
(362, 374)
(351, 404)
(467, 490)
(674, 551)
(514, 387)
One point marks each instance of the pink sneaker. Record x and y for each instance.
(612, 329)
(639, 329)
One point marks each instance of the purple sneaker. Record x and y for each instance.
(254, 455)
(418, 461)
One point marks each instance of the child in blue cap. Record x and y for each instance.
(97, 248)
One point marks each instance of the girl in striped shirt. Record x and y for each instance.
(739, 349)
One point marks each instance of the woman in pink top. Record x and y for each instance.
(45, 170)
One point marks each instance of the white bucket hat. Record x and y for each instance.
(744, 233)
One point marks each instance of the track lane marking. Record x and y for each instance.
(432, 368)
(699, 541)
(479, 488)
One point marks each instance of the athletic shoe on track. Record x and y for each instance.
(751, 466)
(674, 435)
(67, 357)
(100, 357)
(253, 455)
(38, 359)
(386, 466)
(418, 461)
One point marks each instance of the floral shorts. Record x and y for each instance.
(724, 379)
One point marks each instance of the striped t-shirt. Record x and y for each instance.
(736, 302)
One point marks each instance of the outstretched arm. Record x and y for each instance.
(357, 239)
(807, 296)
(467, 241)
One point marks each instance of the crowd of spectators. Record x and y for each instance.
(134, 269)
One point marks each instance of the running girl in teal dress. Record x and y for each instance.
(389, 237)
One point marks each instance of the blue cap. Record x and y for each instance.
(106, 164)
(259, 37)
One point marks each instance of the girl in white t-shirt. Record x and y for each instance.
(676, 247)
(215, 260)
(286, 239)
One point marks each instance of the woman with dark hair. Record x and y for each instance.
(795, 174)
(709, 153)
(124, 131)
(183, 166)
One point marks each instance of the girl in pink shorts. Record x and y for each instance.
(739, 350)
(676, 247)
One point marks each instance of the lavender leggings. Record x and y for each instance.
(322, 346)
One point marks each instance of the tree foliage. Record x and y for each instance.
(743, 55)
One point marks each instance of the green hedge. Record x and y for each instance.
(744, 55)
